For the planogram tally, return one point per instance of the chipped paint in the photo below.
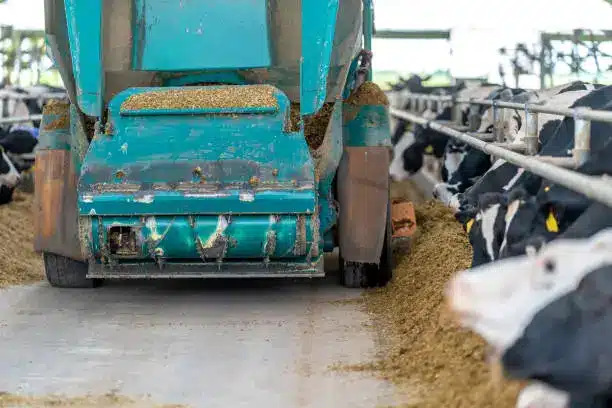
(92, 211)
(146, 199)
(299, 247)
(124, 148)
(88, 198)
(270, 244)
(246, 196)
(151, 224)
(222, 224)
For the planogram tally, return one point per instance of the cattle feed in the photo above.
(426, 347)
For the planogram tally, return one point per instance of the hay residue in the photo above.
(427, 350)
(315, 125)
(368, 93)
(19, 264)
(110, 400)
(231, 96)
(56, 106)
(62, 122)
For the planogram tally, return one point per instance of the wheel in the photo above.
(64, 272)
(363, 275)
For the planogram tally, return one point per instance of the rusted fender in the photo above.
(55, 199)
(363, 193)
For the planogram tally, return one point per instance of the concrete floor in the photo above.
(203, 343)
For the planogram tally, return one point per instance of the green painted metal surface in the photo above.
(366, 125)
(84, 20)
(199, 35)
(318, 25)
(198, 162)
(287, 237)
(54, 132)
(328, 159)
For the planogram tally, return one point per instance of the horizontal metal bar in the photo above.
(485, 137)
(413, 34)
(515, 147)
(583, 36)
(19, 96)
(567, 162)
(20, 119)
(206, 270)
(581, 113)
(597, 188)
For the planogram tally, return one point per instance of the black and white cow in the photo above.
(532, 212)
(10, 177)
(408, 157)
(547, 316)
(463, 165)
(531, 221)
(503, 176)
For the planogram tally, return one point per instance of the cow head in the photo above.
(499, 300)
(513, 120)
(487, 230)
(407, 158)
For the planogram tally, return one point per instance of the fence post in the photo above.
(455, 111)
(474, 117)
(582, 136)
(498, 122)
(531, 139)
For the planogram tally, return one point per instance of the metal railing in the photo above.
(7, 94)
(523, 154)
(19, 119)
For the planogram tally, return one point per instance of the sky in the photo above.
(479, 29)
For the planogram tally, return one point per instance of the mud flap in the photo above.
(55, 194)
(55, 201)
(363, 194)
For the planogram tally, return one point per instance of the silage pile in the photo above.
(19, 263)
(426, 350)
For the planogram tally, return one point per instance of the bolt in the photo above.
(197, 171)
(253, 181)
(275, 172)
(120, 174)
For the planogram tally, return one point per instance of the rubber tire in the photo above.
(364, 275)
(63, 272)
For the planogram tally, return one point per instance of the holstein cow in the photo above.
(408, 157)
(547, 316)
(556, 208)
(503, 176)
(530, 221)
(17, 146)
(398, 98)
(9, 178)
(515, 122)
(12, 107)
(463, 165)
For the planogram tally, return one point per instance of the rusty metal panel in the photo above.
(55, 215)
(363, 193)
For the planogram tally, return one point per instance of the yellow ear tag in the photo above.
(468, 226)
(429, 149)
(551, 223)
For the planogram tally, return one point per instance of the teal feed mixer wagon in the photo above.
(212, 138)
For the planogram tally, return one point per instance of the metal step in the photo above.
(207, 270)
